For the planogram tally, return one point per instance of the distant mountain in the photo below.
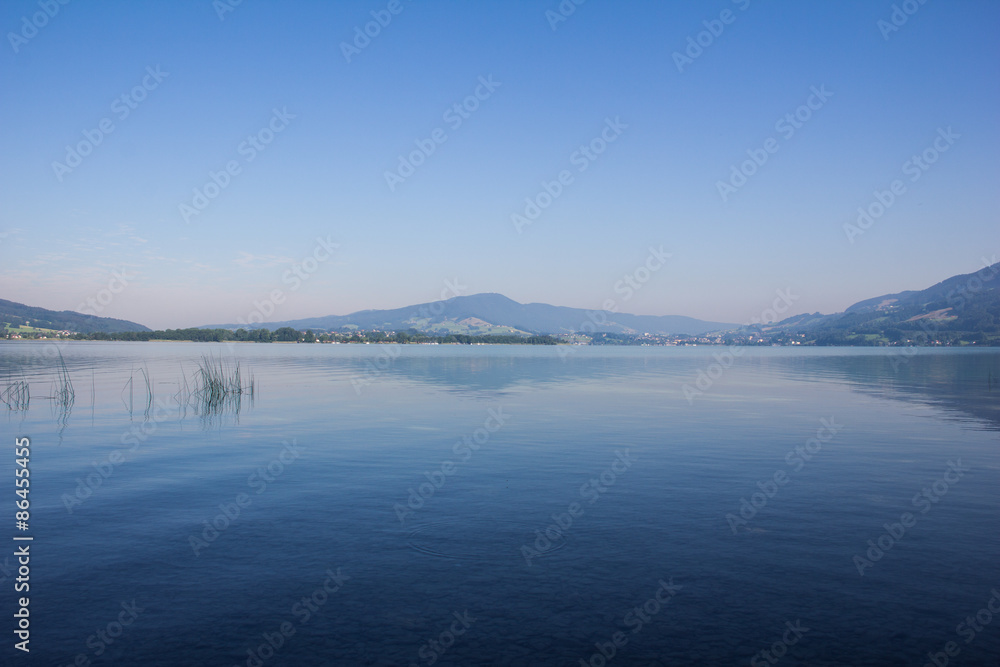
(956, 292)
(18, 314)
(962, 308)
(495, 313)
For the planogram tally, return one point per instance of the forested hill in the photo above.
(963, 308)
(17, 314)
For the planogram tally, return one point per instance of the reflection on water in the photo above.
(405, 481)
(955, 379)
(960, 381)
(216, 392)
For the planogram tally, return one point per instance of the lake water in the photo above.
(466, 505)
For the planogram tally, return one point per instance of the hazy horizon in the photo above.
(448, 290)
(295, 127)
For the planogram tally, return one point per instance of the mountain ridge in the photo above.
(964, 307)
(501, 312)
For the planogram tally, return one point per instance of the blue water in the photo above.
(394, 503)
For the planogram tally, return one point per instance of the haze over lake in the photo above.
(397, 505)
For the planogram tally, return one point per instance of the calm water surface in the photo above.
(515, 505)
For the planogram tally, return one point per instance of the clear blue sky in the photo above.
(656, 184)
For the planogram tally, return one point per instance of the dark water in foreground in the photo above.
(509, 505)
